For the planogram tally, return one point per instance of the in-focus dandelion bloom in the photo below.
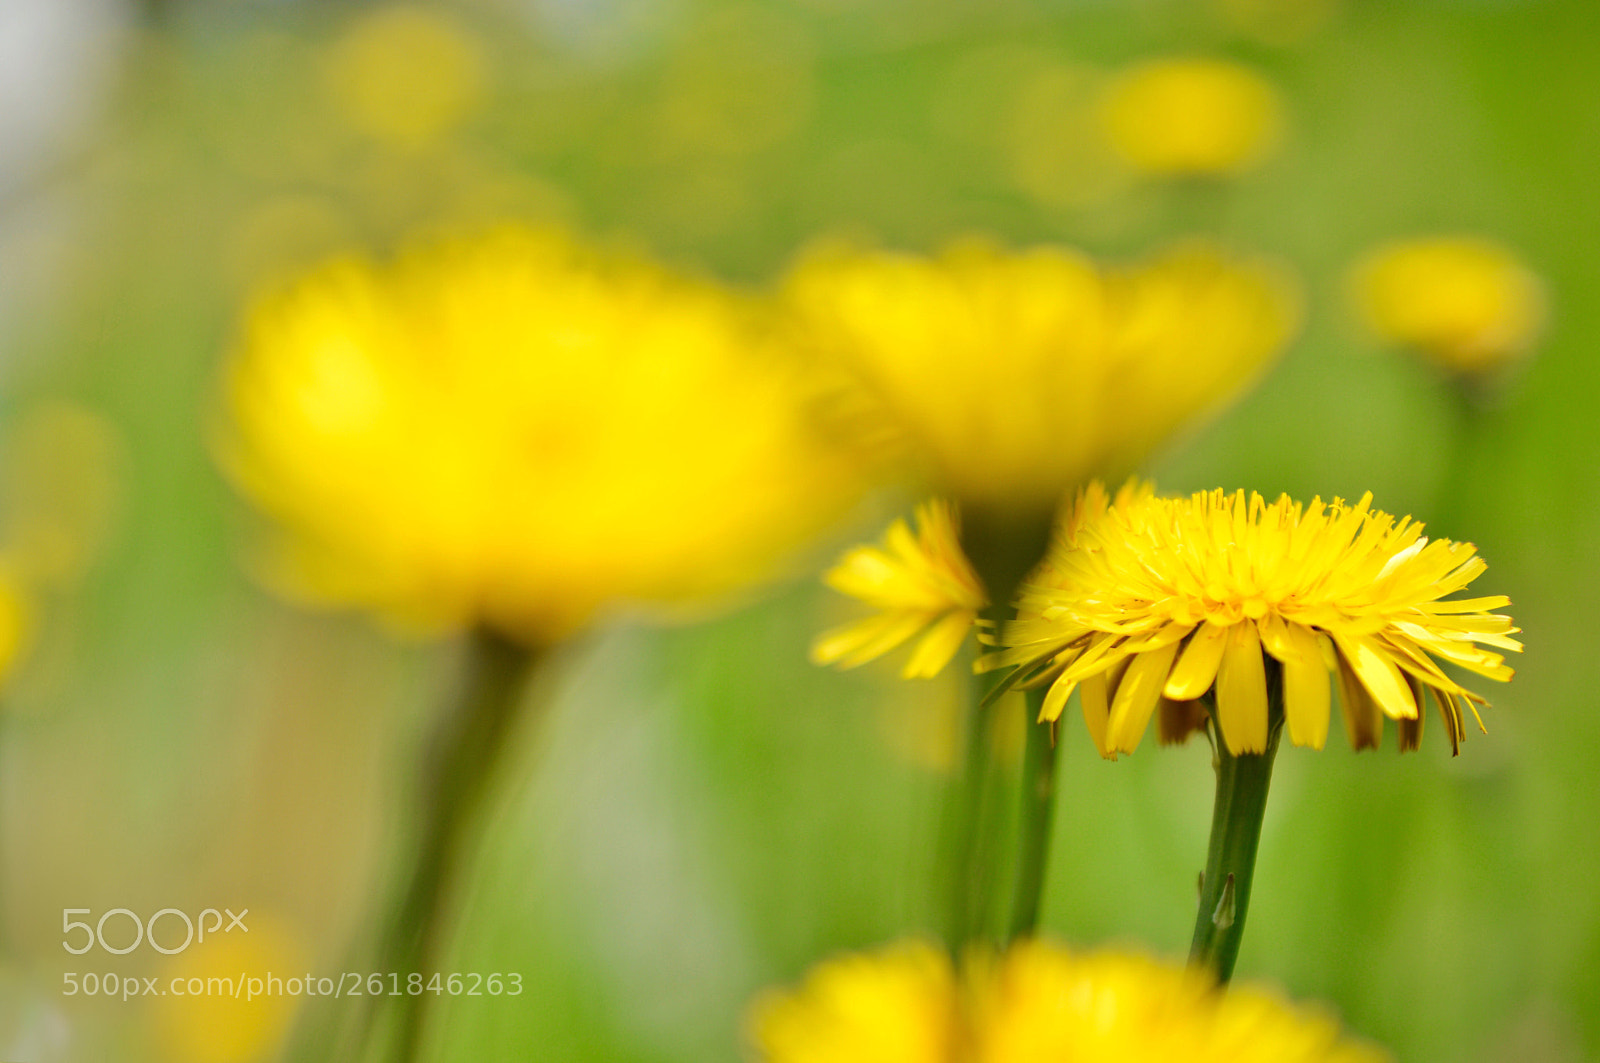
(1037, 1002)
(920, 584)
(1009, 377)
(1466, 304)
(517, 431)
(1147, 604)
(1191, 117)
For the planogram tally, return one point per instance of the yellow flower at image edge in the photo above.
(1037, 1002)
(517, 431)
(1008, 377)
(920, 584)
(1465, 303)
(14, 621)
(1146, 604)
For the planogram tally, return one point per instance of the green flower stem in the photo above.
(1003, 546)
(458, 773)
(1038, 807)
(968, 863)
(1241, 803)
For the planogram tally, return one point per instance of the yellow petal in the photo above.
(1450, 713)
(1137, 695)
(1096, 711)
(1055, 699)
(1380, 674)
(1242, 692)
(857, 643)
(1410, 729)
(1196, 670)
(1363, 719)
(940, 644)
(1275, 636)
(1467, 605)
(1306, 698)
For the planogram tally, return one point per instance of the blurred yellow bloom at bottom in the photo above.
(230, 998)
(1038, 1002)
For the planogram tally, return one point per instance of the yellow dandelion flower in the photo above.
(1464, 303)
(1191, 116)
(1037, 1002)
(1011, 376)
(920, 584)
(1147, 604)
(516, 431)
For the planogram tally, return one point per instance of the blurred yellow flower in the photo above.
(1037, 1002)
(1147, 603)
(231, 997)
(1011, 376)
(406, 74)
(920, 584)
(518, 431)
(1191, 117)
(13, 620)
(1465, 303)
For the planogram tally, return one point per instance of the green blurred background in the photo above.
(703, 813)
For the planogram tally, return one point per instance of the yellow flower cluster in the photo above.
(1146, 604)
(1011, 376)
(1037, 1002)
(518, 431)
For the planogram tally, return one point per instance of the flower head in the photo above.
(1011, 376)
(1185, 117)
(906, 1004)
(518, 431)
(1149, 603)
(1464, 303)
(920, 584)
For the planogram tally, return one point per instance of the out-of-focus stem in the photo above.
(1003, 546)
(1038, 806)
(458, 771)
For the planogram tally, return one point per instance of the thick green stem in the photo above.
(1241, 803)
(967, 856)
(1003, 546)
(458, 773)
(1038, 807)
